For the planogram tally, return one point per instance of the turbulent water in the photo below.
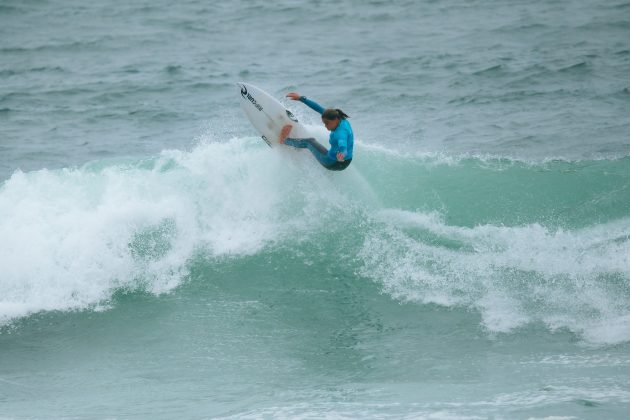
(158, 260)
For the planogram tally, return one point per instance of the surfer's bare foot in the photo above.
(284, 133)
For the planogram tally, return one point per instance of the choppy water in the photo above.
(158, 260)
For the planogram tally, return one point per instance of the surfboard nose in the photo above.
(242, 88)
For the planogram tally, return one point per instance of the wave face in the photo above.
(519, 243)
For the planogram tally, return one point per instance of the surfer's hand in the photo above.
(340, 157)
(284, 133)
(294, 95)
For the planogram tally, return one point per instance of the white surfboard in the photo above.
(268, 115)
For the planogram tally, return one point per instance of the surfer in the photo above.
(341, 138)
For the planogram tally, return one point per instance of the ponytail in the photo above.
(334, 114)
(342, 115)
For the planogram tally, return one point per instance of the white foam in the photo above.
(70, 238)
(66, 235)
(512, 275)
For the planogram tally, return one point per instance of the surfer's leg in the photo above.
(299, 143)
(315, 147)
(320, 153)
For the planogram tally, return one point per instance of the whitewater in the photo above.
(74, 237)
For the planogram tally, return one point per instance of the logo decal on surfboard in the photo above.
(291, 116)
(249, 97)
(266, 140)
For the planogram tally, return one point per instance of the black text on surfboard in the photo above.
(250, 98)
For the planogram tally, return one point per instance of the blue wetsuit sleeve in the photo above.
(312, 104)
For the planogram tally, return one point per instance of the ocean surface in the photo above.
(159, 261)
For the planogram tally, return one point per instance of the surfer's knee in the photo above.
(338, 166)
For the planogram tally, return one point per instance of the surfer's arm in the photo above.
(342, 145)
(312, 104)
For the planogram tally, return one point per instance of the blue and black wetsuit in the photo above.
(341, 140)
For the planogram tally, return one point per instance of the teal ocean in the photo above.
(158, 260)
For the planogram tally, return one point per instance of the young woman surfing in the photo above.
(341, 138)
